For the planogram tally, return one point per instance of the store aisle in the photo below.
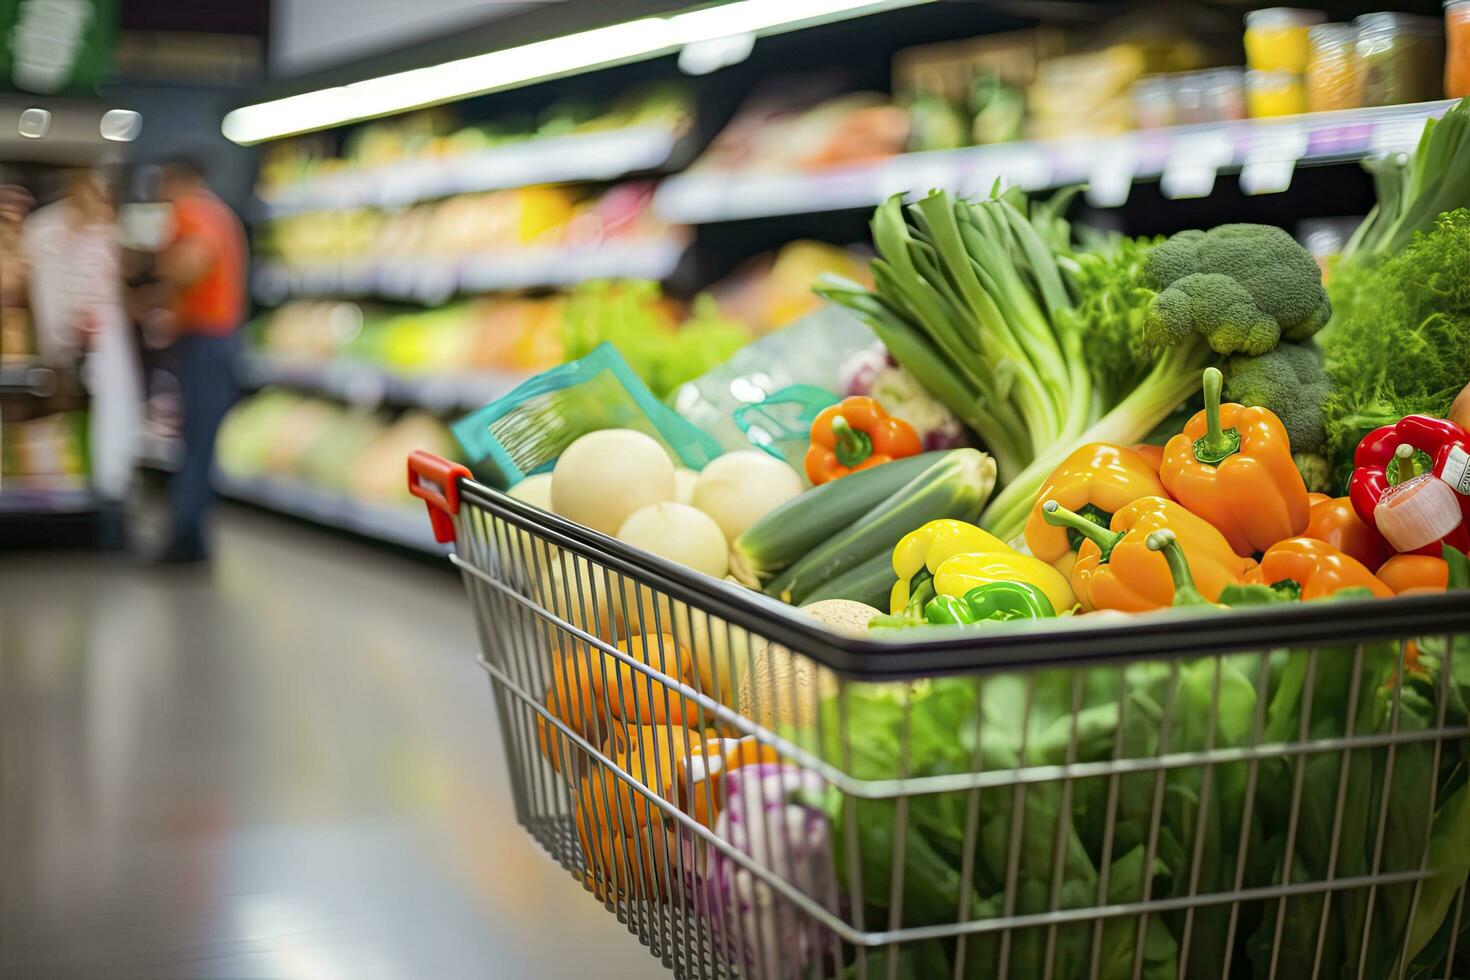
(283, 766)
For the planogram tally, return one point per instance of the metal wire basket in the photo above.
(1277, 792)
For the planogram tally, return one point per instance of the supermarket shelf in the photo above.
(561, 159)
(432, 281)
(406, 527)
(367, 384)
(27, 379)
(15, 500)
(1185, 158)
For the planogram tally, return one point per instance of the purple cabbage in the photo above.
(772, 814)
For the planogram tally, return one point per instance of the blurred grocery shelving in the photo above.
(431, 281)
(27, 379)
(395, 525)
(21, 500)
(321, 460)
(359, 383)
(1186, 158)
(574, 158)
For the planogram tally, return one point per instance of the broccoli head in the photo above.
(1216, 306)
(1242, 287)
(1316, 472)
(1290, 381)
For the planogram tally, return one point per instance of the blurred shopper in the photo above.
(76, 305)
(15, 317)
(204, 268)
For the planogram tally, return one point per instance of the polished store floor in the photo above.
(284, 765)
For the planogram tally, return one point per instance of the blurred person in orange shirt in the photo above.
(203, 267)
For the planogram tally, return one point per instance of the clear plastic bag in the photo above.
(525, 431)
(808, 352)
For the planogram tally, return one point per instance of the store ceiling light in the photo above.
(601, 47)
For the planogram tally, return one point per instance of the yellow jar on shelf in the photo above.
(1276, 38)
(1334, 74)
(1274, 93)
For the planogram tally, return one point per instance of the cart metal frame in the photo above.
(792, 882)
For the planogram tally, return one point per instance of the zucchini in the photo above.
(787, 533)
(870, 583)
(957, 486)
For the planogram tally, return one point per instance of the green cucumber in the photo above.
(957, 486)
(871, 582)
(787, 533)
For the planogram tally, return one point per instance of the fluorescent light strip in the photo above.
(757, 16)
(599, 48)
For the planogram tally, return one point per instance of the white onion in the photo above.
(740, 488)
(684, 480)
(534, 490)
(605, 476)
(679, 533)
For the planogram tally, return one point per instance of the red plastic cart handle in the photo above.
(435, 481)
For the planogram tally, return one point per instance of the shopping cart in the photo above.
(1276, 792)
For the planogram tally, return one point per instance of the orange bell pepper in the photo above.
(1152, 455)
(1422, 573)
(856, 434)
(1317, 567)
(1232, 466)
(1117, 570)
(1095, 481)
(1333, 519)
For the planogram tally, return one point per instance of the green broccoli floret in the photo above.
(1215, 305)
(1289, 380)
(1316, 473)
(1242, 287)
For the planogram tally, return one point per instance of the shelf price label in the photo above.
(1110, 178)
(1014, 167)
(692, 198)
(1272, 158)
(1194, 160)
(1396, 135)
(914, 175)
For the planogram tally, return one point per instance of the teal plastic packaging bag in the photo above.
(781, 423)
(525, 431)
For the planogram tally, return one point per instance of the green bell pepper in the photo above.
(990, 603)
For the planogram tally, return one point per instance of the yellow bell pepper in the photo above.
(1097, 481)
(960, 556)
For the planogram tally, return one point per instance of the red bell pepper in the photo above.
(1378, 466)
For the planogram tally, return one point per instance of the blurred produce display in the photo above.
(510, 333)
(1144, 71)
(970, 92)
(48, 452)
(772, 290)
(1089, 90)
(807, 124)
(662, 341)
(358, 455)
(668, 342)
(436, 136)
(475, 224)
